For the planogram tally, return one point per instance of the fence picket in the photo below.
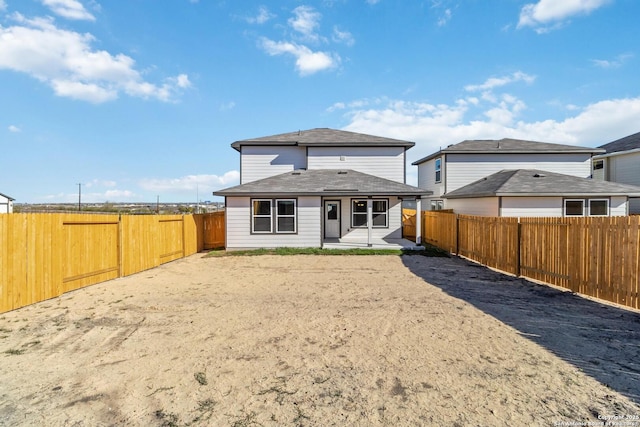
(44, 255)
(598, 257)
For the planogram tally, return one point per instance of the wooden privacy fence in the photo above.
(598, 257)
(45, 255)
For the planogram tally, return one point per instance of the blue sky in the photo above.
(138, 99)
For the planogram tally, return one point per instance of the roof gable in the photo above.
(323, 137)
(508, 145)
(533, 182)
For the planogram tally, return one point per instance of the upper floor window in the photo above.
(438, 169)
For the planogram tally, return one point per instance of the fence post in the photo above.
(457, 231)
(184, 234)
(518, 247)
(120, 245)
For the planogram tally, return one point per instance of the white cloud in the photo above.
(100, 183)
(263, 16)
(190, 183)
(14, 129)
(3, 5)
(306, 21)
(554, 12)
(435, 126)
(495, 82)
(70, 9)
(613, 63)
(66, 61)
(445, 18)
(342, 36)
(307, 61)
(228, 106)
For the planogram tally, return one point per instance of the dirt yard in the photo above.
(319, 341)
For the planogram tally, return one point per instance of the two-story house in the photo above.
(620, 163)
(511, 177)
(316, 187)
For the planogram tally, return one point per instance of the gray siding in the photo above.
(531, 206)
(238, 213)
(483, 206)
(625, 168)
(463, 169)
(427, 178)
(385, 162)
(262, 162)
(395, 222)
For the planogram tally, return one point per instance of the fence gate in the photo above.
(214, 230)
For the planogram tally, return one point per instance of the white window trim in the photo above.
(253, 216)
(599, 200)
(437, 170)
(365, 225)
(584, 204)
(294, 216)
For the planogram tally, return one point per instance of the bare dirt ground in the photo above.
(319, 341)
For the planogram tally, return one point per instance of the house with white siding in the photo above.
(6, 204)
(620, 163)
(318, 187)
(511, 177)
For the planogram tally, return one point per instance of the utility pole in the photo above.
(158, 204)
(79, 196)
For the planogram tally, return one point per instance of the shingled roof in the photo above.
(533, 182)
(323, 182)
(323, 137)
(508, 145)
(631, 142)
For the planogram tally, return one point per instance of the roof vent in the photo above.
(539, 175)
(295, 173)
(342, 172)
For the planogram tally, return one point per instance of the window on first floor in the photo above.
(598, 164)
(268, 215)
(379, 213)
(599, 207)
(437, 205)
(586, 207)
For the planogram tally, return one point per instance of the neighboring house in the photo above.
(469, 161)
(537, 193)
(308, 188)
(6, 204)
(620, 163)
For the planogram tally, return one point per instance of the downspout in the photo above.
(369, 220)
(418, 220)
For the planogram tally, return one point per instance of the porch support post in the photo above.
(369, 221)
(418, 220)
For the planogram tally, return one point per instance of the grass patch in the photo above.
(430, 251)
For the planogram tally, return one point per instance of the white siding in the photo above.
(6, 205)
(394, 231)
(625, 168)
(531, 207)
(427, 178)
(618, 206)
(463, 169)
(238, 217)
(483, 206)
(263, 162)
(385, 162)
